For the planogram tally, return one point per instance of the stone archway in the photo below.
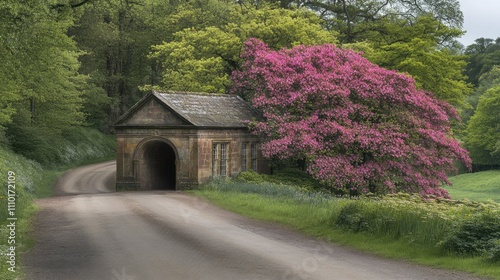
(155, 166)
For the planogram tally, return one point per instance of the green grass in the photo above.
(399, 227)
(479, 186)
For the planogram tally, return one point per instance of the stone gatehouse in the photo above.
(178, 140)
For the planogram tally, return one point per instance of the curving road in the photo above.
(89, 232)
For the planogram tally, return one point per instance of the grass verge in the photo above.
(479, 186)
(319, 217)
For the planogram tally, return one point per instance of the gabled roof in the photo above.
(194, 109)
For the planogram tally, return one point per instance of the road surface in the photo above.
(89, 232)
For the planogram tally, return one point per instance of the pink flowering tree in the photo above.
(358, 126)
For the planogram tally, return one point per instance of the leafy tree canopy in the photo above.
(115, 37)
(483, 55)
(201, 58)
(41, 92)
(415, 49)
(483, 131)
(357, 20)
(486, 81)
(39, 69)
(358, 126)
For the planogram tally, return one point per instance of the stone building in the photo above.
(178, 140)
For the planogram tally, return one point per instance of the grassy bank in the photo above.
(24, 174)
(479, 186)
(33, 179)
(403, 227)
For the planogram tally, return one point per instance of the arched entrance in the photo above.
(157, 166)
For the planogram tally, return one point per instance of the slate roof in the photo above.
(203, 109)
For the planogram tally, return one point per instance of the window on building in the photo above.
(253, 156)
(223, 160)
(244, 157)
(215, 160)
(219, 159)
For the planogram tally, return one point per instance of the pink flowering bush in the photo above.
(358, 126)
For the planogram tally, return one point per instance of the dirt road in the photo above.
(171, 235)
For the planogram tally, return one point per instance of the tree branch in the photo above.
(73, 6)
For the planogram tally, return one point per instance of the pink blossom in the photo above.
(359, 126)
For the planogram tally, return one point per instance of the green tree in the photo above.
(414, 48)
(486, 81)
(116, 37)
(483, 131)
(482, 56)
(356, 20)
(41, 86)
(40, 66)
(201, 58)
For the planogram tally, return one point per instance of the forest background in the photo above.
(82, 63)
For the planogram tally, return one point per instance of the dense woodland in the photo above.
(70, 63)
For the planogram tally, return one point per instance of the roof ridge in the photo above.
(195, 93)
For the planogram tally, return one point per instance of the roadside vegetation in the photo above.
(34, 179)
(453, 234)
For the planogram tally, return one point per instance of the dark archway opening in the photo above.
(159, 160)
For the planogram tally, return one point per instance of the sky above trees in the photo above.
(480, 19)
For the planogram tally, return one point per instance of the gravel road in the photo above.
(89, 232)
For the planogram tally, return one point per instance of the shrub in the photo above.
(475, 236)
(73, 146)
(353, 217)
(285, 176)
(494, 253)
(354, 123)
(397, 216)
(251, 176)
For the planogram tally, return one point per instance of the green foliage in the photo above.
(36, 143)
(399, 217)
(71, 146)
(115, 37)
(194, 45)
(494, 252)
(483, 55)
(461, 227)
(202, 56)
(415, 50)
(286, 176)
(477, 236)
(486, 81)
(483, 131)
(357, 20)
(28, 172)
(252, 177)
(39, 70)
(41, 93)
(350, 217)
